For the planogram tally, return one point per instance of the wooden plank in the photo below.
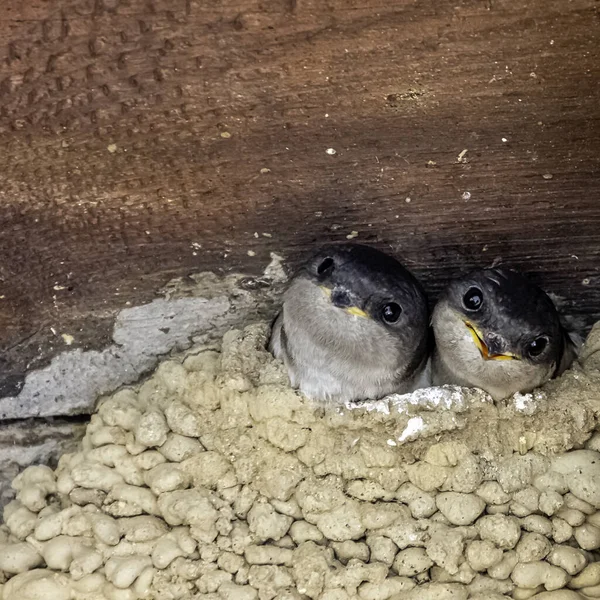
(147, 139)
(34, 441)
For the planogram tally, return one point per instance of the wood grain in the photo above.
(146, 139)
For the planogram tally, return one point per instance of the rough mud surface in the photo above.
(213, 479)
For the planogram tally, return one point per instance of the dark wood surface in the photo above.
(147, 139)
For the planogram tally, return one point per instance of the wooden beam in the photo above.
(147, 139)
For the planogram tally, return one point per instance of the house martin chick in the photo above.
(353, 326)
(497, 331)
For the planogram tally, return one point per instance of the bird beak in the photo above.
(351, 310)
(357, 312)
(326, 291)
(478, 338)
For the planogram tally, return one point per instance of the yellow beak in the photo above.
(325, 290)
(481, 345)
(357, 312)
(351, 310)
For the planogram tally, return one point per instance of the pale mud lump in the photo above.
(214, 480)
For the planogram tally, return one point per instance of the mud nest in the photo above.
(215, 480)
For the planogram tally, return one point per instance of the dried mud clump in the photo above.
(214, 480)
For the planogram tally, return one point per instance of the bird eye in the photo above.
(326, 266)
(473, 299)
(391, 312)
(536, 347)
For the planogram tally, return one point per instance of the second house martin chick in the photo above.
(497, 331)
(353, 326)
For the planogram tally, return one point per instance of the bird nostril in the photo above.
(340, 298)
(495, 343)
